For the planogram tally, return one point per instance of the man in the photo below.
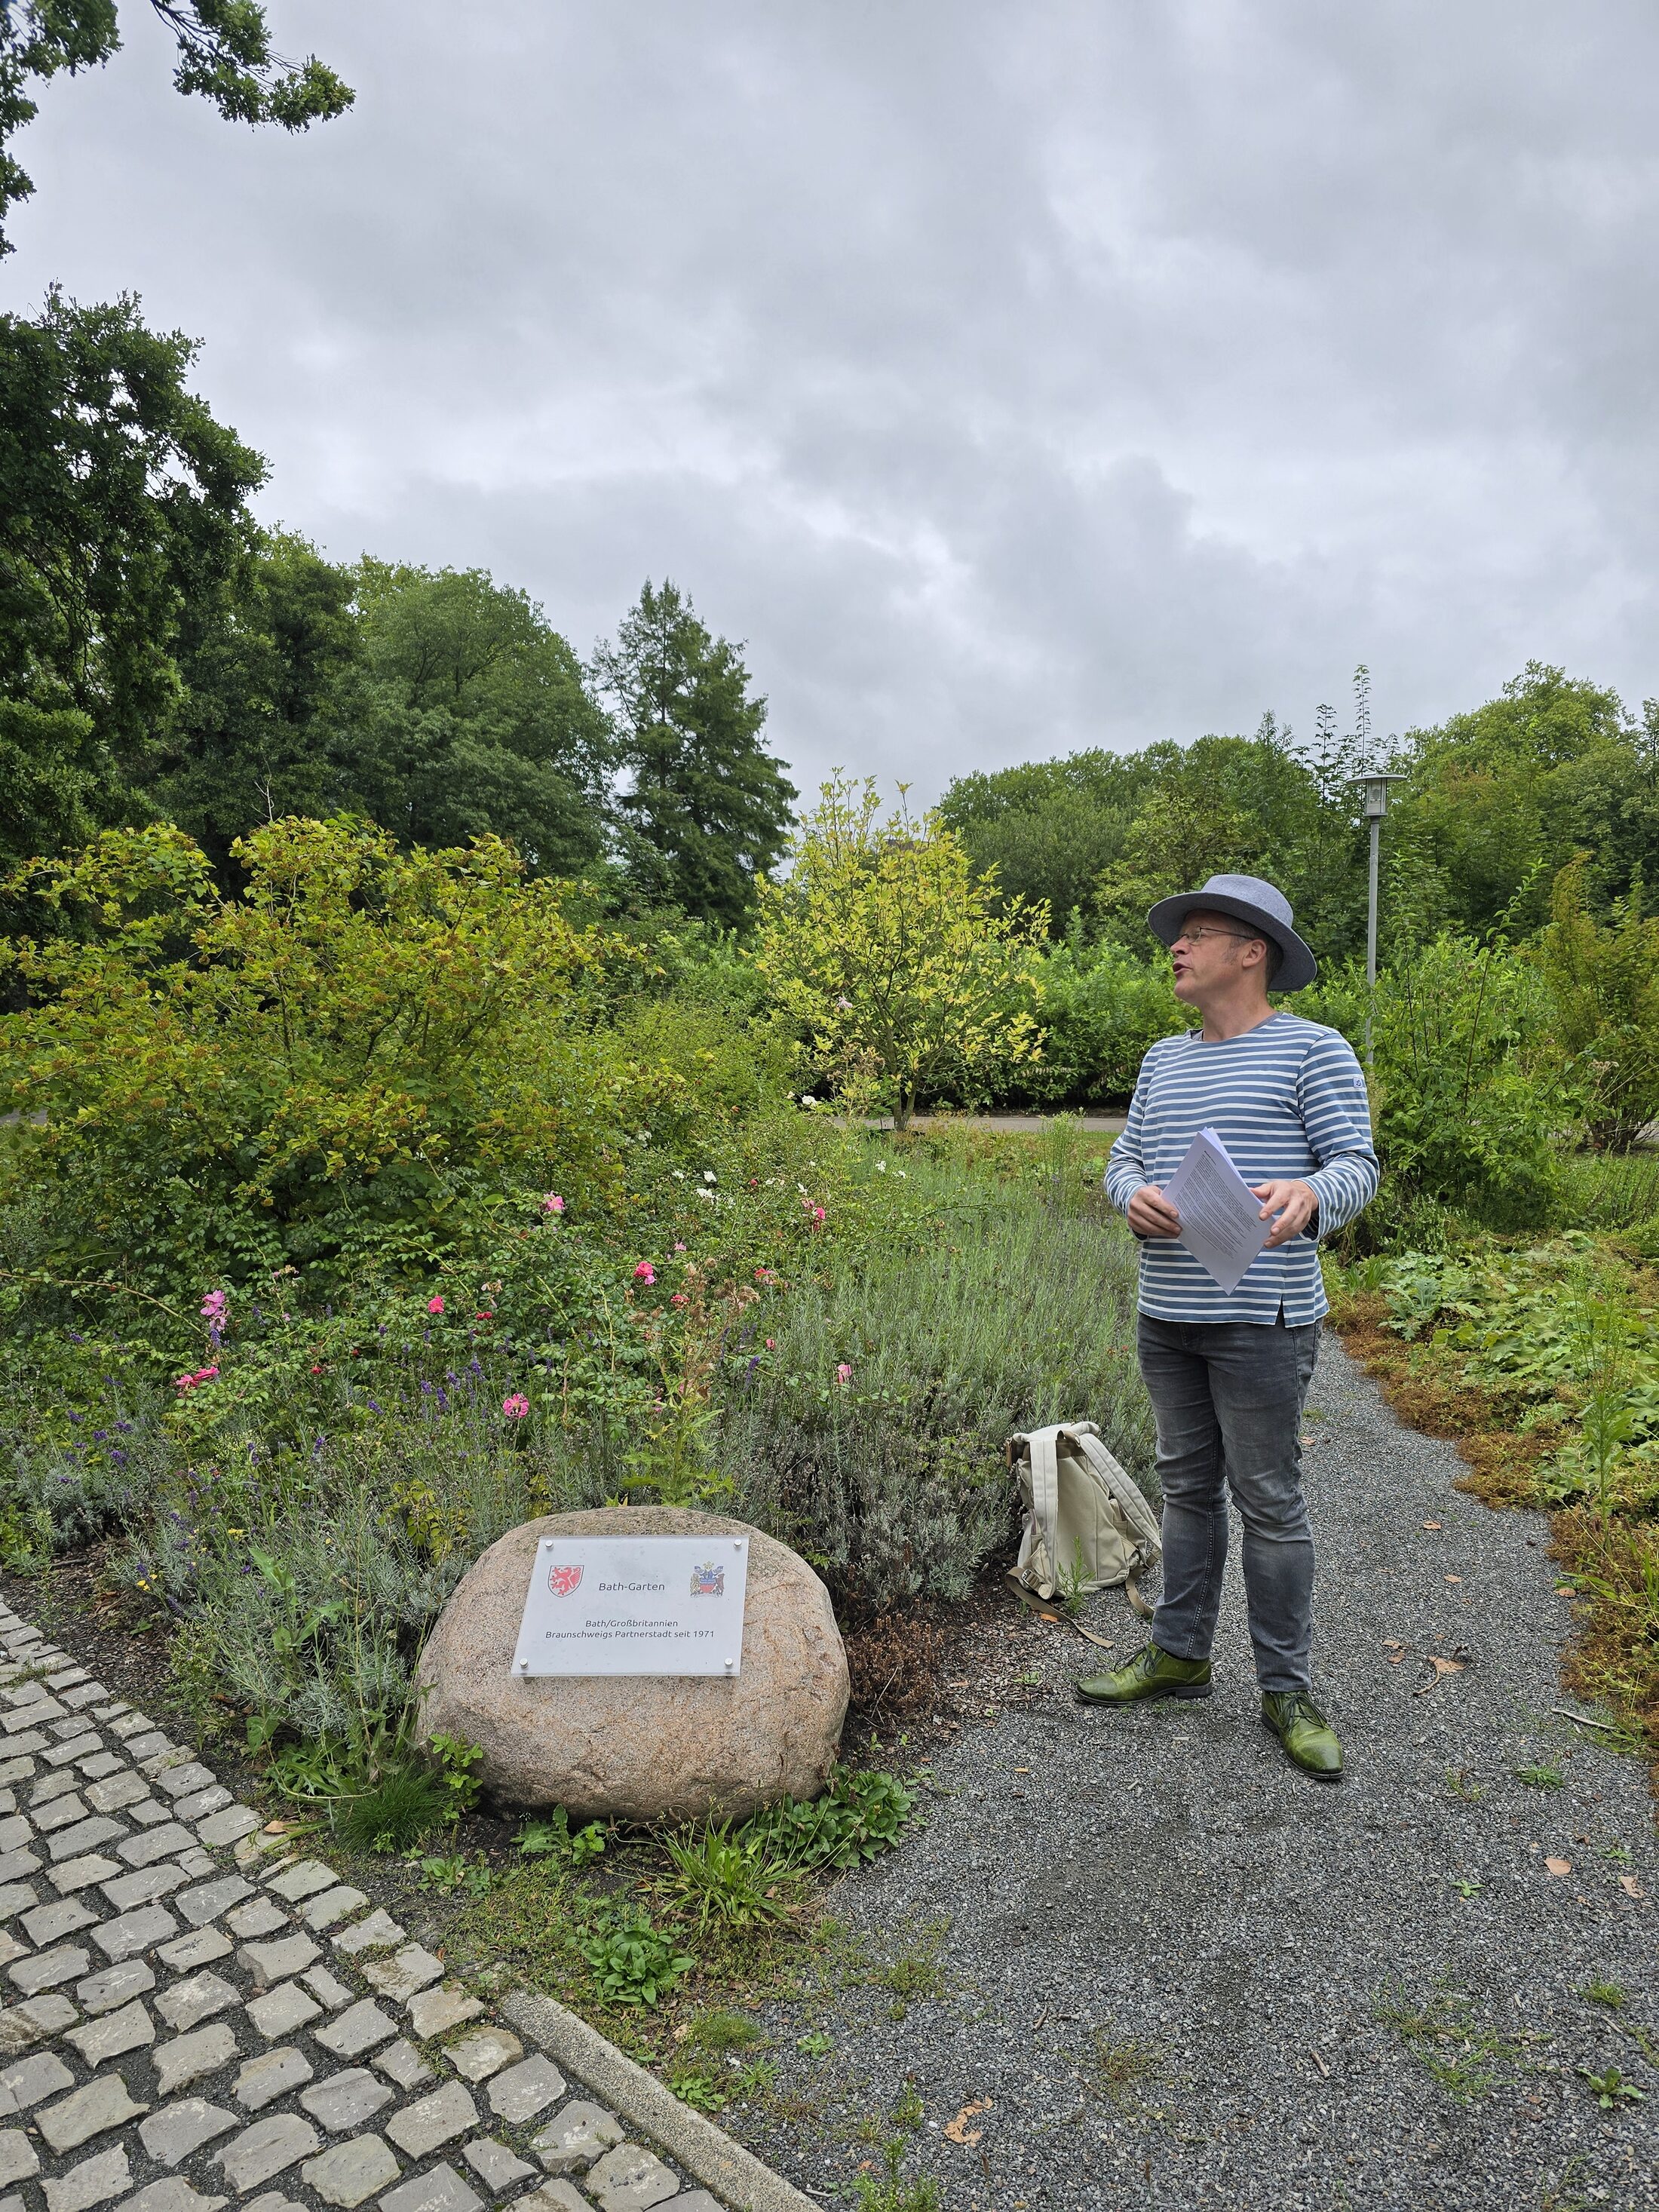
(1228, 1372)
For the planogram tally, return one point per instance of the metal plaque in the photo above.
(634, 1605)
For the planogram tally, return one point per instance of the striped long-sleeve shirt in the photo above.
(1286, 1099)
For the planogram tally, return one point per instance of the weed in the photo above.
(1467, 1887)
(1465, 2059)
(723, 2031)
(1539, 1777)
(755, 2079)
(915, 1973)
(1074, 1580)
(730, 1881)
(701, 2091)
(818, 2044)
(1611, 2090)
(910, 2112)
(1461, 1783)
(447, 1875)
(859, 1816)
(1120, 2066)
(1603, 1993)
(890, 2192)
(632, 1961)
(394, 1816)
(456, 1760)
(552, 1838)
(1551, 2200)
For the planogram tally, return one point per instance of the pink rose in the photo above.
(435, 1305)
(645, 1272)
(679, 1299)
(844, 1374)
(515, 1407)
(213, 1306)
(552, 1203)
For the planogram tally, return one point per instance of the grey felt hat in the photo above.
(1246, 898)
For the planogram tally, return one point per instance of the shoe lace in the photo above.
(1298, 1705)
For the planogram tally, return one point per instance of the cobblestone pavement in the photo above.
(202, 2016)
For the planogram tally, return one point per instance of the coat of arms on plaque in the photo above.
(563, 1580)
(708, 1582)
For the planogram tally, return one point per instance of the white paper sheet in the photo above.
(1220, 1223)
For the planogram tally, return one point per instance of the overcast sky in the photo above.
(1011, 377)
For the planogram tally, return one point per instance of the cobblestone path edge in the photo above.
(706, 2152)
(156, 1939)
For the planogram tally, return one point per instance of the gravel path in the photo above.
(1169, 1955)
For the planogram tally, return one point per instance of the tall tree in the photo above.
(441, 705)
(1503, 796)
(123, 520)
(224, 54)
(1049, 829)
(470, 715)
(253, 738)
(706, 807)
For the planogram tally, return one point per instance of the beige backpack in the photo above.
(1087, 1525)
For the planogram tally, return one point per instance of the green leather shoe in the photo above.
(1150, 1673)
(1309, 1739)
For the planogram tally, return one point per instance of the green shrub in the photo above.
(1464, 1107)
(1603, 983)
(331, 1074)
(1101, 1009)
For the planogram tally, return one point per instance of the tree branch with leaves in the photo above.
(225, 55)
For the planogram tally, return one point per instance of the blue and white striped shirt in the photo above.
(1286, 1099)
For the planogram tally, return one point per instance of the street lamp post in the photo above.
(1373, 788)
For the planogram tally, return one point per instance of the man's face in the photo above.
(1206, 953)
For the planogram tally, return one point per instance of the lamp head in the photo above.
(1373, 788)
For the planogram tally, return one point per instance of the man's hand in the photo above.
(1150, 1215)
(1294, 1203)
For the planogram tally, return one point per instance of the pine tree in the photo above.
(706, 807)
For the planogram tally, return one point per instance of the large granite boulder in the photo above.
(642, 1747)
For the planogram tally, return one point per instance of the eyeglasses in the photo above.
(1198, 936)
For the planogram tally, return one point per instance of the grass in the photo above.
(1464, 2056)
(1540, 1778)
(915, 1972)
(1121, 2067)
(722, 2031)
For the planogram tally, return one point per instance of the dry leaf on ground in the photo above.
(1630, 1885)
(958, 2132)
(1558, 1866)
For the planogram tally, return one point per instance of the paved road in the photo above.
(1156, 1890)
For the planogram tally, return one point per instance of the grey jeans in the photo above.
(1228, 1397)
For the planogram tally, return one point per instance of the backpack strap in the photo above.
(1041, 1446)
(1085, 1440)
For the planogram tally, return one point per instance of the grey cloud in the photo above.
(1010, 379)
